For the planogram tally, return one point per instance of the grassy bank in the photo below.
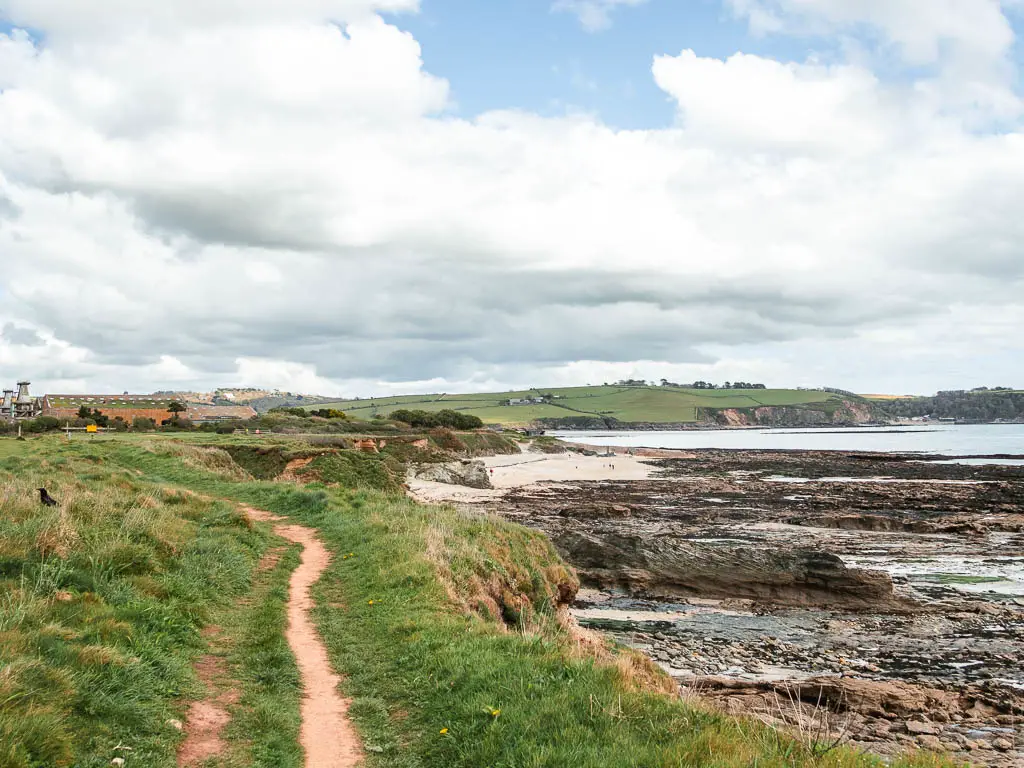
(444, 625)
(102, 600)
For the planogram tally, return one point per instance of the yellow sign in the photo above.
(91, 428)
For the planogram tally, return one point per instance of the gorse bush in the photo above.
(329, 413)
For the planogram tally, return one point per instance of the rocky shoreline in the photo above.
(874, 599)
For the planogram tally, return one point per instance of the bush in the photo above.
(142, 424)
(447, 418)
(177, 425)
(290, 412)
(329, 413)
(119, 425)
(43, 424)
(94, 415)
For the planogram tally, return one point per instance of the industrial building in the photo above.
(18, 405)
(126, 407)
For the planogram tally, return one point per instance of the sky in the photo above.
(356, 197)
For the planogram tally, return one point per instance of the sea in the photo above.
(928, 440)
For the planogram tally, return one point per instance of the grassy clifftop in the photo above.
(444, 625)
(633, 404)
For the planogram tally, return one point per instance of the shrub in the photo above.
(456, 420)
(177, 424)
(142, 424)
(41, 424)
(445, 418)
(329, 413)
(290, 412)
(94, 415)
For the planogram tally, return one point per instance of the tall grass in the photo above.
(101, 601)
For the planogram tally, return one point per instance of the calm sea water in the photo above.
(946, 440)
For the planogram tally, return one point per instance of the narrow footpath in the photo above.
(326, 734)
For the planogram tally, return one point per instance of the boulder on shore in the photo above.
(468, 472)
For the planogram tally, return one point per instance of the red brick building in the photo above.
(125, 407)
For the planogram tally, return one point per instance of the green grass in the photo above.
(264, 730)
(520, 414)
(458, 661)
(665, 405)
(101, 604)
(356, 470)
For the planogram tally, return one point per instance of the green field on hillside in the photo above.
(667, 405)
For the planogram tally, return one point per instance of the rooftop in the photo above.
(108, 401)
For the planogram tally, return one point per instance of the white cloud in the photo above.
(285, 376)
(111, 18)
(594, 15)
(281, 200)
(977, 29)
(967, 41)
(750, 101)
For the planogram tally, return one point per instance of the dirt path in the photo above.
(207, 718)
(326, 735)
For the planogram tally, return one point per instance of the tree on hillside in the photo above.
(176, 407)
(966, 406)
(446, 418)
(94, 415)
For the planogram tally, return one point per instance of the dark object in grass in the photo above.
(46, 498)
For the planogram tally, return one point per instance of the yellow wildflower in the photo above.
(444, 731)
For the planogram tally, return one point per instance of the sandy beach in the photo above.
(525, 469)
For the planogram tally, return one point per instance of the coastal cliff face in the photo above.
(845, 413)
(850, 412)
